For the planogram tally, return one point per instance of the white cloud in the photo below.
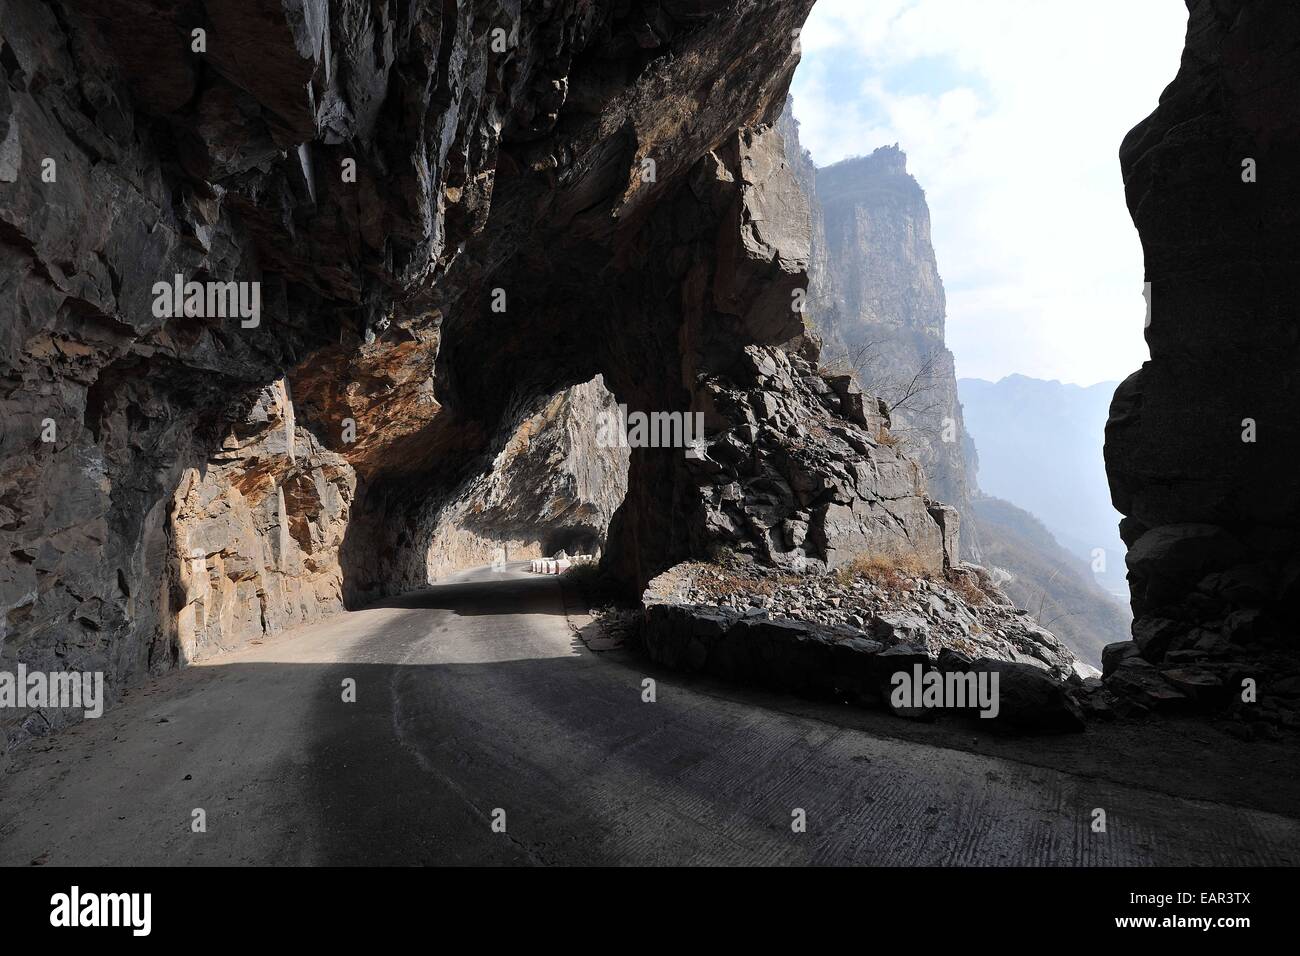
(1011, 113)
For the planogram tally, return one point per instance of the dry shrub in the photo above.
(887, 438)
(724, 582)
(890, 572)
(967, 586)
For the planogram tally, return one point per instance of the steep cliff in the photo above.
(877, 301)
(1200, 446)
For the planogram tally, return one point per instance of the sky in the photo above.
(1011, 113)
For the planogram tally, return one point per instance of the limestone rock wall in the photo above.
(255, 534)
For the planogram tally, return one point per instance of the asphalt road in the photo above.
(476, 697)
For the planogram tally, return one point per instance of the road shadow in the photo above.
(510, 592)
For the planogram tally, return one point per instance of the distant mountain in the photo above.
(1040, 447)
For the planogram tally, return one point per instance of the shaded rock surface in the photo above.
(386, 173)
(1211, 509)
(806, 472)
(792, 466)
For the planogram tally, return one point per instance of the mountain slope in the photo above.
(1049, 581)
(1040, 447)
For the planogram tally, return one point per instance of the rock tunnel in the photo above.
(452, 213)
(455, 212)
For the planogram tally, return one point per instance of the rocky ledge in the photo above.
(846, 634)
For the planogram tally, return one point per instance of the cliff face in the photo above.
(553, 486)
(877, 301)
(1200, 446)
(434, 217)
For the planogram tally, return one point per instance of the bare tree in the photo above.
(912, 393)
(916, 394)
(914, 398)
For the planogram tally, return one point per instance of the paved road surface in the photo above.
(476, 695)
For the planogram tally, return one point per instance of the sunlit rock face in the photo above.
(1201, 443)
(256, 533)
(553, 486)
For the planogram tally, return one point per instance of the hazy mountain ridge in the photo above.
(1040, 446)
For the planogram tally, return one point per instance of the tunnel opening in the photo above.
(547, 485)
